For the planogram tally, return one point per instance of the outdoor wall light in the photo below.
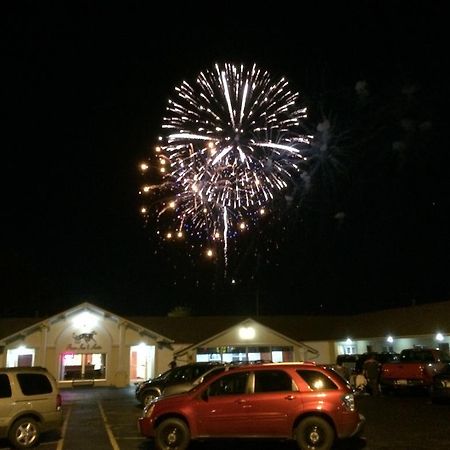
(85, 321)
(390, 339)
(349, 341)
(439, 337)
(247, 333)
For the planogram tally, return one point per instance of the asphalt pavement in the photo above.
(106, 419)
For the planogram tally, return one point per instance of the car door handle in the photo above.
(289, 397)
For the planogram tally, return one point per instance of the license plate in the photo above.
(402, 382)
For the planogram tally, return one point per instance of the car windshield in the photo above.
(205, 377)
(163, 375)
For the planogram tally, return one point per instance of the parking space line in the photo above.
(63, 429)
(131, 438)
(110, 434)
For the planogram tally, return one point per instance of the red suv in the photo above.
(306, 402)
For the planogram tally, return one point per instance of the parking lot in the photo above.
(106, 418)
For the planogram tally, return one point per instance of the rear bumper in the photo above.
(52, 421)
(404, 383)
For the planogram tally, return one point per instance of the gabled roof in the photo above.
(407, 321)
(422, 319)
(11, 326)
(17, 330)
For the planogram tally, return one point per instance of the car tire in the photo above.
(172, 434)
(314, 433)
(24, 433)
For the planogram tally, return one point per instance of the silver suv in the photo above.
(30, 403)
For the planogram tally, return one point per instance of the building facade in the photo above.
(87, 344)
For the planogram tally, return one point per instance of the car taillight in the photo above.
(58, 402)
(349, 402)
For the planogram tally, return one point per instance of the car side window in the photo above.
(5, 387)
(198, 370)
(316, 380)
(232, 384)
(34, 383)
(180, 374)
(272, 381)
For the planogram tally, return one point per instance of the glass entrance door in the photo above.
(83, 366)
(142, 362)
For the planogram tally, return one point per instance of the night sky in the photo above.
(84, 89)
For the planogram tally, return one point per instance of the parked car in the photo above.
(440, 388)
(308, 403)
(415, 369)
(348, 361)
(148, 390)
(179, 388)
(30, 403)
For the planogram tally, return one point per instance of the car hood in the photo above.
(166, 401)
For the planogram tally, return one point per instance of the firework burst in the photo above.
(231, 144)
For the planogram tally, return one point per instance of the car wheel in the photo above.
(24, 433)
(172, 434)
(314, 433)
(148, 396)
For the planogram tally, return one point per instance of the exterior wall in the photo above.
(108, 335)
(299, 353)
(380, 344)
(326, 352)
(115, 336)
(105, 339)
(263, 336)
(30, 341)
(165, 356)
(409, 342)
(52, 361)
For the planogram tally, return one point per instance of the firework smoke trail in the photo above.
(231, 144)
(225, 237)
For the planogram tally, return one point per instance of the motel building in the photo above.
(89, 345)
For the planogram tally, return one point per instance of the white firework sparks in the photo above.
(231, 145)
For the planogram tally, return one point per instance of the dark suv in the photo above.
(150, 389)
(308, 403)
